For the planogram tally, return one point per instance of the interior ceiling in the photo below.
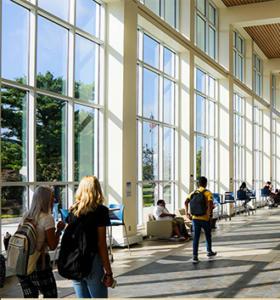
(267, 37)
(241, 2)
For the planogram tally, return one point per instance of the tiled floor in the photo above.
(248, 264)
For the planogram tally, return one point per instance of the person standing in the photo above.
(42, 279)
(89, 209)
(199, 207)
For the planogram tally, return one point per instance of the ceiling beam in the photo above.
(253, 14)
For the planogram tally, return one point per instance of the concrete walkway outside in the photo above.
(248, 264)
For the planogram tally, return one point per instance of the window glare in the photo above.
(15, 28)
(59, 8)
(88, 16)
(151, 51)
(52, 56)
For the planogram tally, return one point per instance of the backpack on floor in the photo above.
(22, 254)
(2, 270)
(75, 258)
(198, 204)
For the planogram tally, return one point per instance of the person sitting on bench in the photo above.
(179, 228)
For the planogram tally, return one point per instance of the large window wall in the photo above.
(206, 131)
(206, 27)
(239, 140)
(51, 98)
(157, 85)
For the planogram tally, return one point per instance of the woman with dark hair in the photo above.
(244, 194)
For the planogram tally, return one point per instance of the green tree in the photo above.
(198, 163)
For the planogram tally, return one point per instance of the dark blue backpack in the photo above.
(198, 204)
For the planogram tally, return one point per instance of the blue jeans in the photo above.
(92, 286)
(197, 225)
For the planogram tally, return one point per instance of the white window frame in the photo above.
(162, 11)
(257, 73)
(208, 24)
(207, 136)
(238, 71)
(32, 91)
(141, 65)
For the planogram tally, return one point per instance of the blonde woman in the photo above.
(89, 206)
(42, 279)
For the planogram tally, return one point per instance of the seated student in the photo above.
(244, 193)
(179, 228)
(274, 199)
(267, 189)
(277, 197)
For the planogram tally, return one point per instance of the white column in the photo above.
(120, 112)
(129, 153)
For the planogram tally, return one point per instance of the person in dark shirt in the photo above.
(89, 206)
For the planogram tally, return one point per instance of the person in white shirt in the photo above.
(42, 279)
(179, 228)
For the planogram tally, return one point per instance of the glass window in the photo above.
(13, 202)
(13, 135)
(273, 91)
(150, 152)
(212, 42)
(153, 5)
(168, 146)
(205, 114)
(151, 51)
(168, 101)
(212, 14)
(200, 113)
(150, 193)
(88, 16)
(200, 81)
(212, 118)
(52, 56)
(206, 27)
(239, 56)
(169, 62)
(168, 193)
(15, 39)
(85, 139)
(86, 69)
(200, 156)
(166, 9)
(150, 94)
(59, 8)
(258, 75)
(200, 4)
(200, 33)
(211, 87)
(50, 139)
(170, 12)
(156, 108)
